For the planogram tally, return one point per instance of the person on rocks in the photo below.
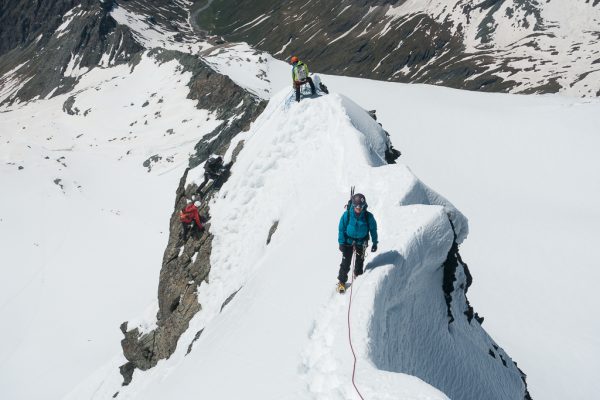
(300, 77)
(356, 224)
(215, 169)
(190, 219)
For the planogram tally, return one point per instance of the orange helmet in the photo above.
(294, 60)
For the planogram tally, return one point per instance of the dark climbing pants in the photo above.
(190, 228)
(347, 260)
(297, 86)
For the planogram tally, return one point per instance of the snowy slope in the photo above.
(84, 223)
(524, 169)
(284, 335)
(532, 213)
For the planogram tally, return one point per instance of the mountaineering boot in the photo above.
(323, 88)
(341, 288)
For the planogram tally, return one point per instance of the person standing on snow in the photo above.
(190, 219)
(300, 76)
(353, 237)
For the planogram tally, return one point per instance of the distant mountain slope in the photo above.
(493, 45)
(49, 46)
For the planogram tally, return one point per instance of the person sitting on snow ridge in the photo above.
(300, 76)
(190, 219)
(353, 237)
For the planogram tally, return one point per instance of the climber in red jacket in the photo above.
(190, 218)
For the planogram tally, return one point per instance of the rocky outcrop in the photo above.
(454, 261)
(186, 264)
(55, 46)
(391, 154)
(46, 46)
(454, 282)
(21, 22)
(213, 91)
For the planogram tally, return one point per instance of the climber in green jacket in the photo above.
(300, 76)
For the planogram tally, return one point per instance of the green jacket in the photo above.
(295, 68)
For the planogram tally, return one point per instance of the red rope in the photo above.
(349, 332)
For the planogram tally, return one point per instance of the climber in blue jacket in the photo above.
(356, 225)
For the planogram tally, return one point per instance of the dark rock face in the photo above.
(50, 44)
(219, 94)
(218, 140)
(51, 59)
(391, 154)
(23, 21)
(212, 91)
(186, 265)
(272, 231)
(450, 282)
(454, 261)
(409, 332)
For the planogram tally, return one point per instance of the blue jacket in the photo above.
(356, 229)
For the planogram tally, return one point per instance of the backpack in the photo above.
(301, 72)
(213, 162)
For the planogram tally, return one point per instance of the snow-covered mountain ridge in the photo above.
(510, 45)
(106, 180)
(298, 339)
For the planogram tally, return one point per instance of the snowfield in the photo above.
(284, 334)
(525, 171)
(83, 224)
(83, 233)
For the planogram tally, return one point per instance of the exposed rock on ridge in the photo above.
(186, 266)
(456, 285)
(407, 335)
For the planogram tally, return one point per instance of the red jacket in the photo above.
(189, 214)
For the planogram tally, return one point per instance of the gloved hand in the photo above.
(342, 248)
(374, 248)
